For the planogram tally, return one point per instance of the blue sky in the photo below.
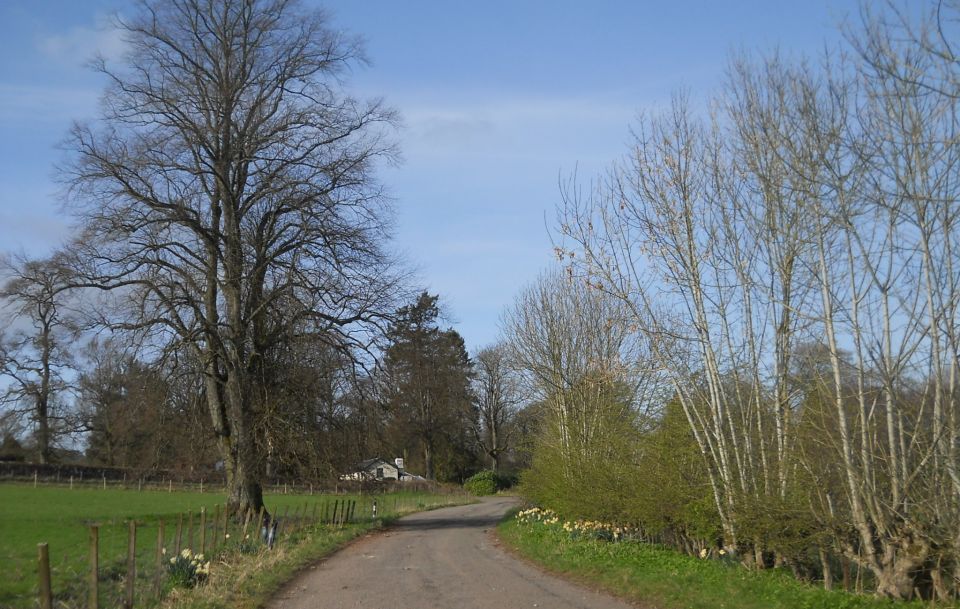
(499, 100)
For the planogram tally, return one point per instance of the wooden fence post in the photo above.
(203, 530)
(216, 528)
(226, 522)
(248, 515)
(190, 530)
(158, 576)
(179, 538)
(43, 570)
(131, 565)
(282, 522)
(93, 583)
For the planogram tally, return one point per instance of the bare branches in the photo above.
(227, 194)
(35, 344)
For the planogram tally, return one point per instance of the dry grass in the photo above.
(247, 581)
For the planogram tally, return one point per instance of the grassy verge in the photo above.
(60, 516)
(666, 579)
(248, 581)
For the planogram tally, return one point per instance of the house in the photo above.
(377, 469)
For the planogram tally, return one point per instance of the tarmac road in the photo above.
(443, 559)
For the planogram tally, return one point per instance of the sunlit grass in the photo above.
(667, 579)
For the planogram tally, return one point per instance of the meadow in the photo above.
(656, 576)
(61, 517)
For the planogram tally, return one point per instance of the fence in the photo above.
(84, 476)
(129, 564)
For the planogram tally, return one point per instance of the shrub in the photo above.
(483, 483)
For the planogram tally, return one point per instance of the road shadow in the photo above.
(437, 520)
(464, 522)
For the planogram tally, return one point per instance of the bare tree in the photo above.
(34, 347)
(228, 174)
(583, 362)
(822, 206)
(496, 390)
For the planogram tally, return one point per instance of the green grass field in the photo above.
(60, 517)
(660, 577)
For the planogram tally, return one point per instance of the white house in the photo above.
(377, 469)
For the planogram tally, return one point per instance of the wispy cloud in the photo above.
(44, 104)
(510, 126)
(80, 44)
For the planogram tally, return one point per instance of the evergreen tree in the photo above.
(427, 388)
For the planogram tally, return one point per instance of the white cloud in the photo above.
(80, 44)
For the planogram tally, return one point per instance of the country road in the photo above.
(444, 559)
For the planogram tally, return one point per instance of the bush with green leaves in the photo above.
(482, 483)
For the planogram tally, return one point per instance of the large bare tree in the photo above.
(230, 178)
(34, 344)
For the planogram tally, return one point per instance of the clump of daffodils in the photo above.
(578, 529)
(188, 569)
(594, 529)
(535, 515)
(720, 554)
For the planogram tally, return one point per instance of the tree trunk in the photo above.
(244, 490)
(43, 431)
(428, 461)
(896, 571)
(827, 570)
(234, 439)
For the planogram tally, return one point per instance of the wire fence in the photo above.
(136, 562)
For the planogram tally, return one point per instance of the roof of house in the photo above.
(365, 465)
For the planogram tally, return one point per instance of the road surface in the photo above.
(443, 559)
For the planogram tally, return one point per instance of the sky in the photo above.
(500, 101)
